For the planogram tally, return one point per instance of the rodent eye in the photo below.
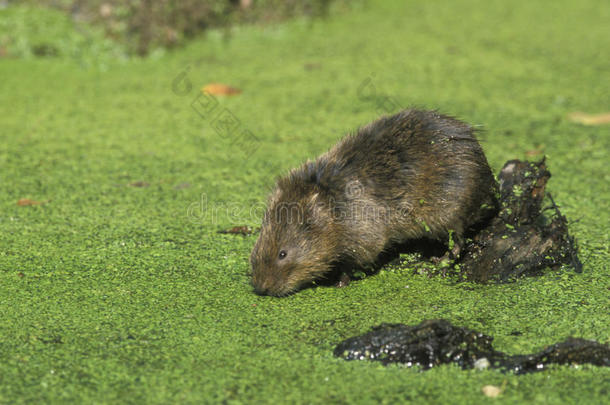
(282, 254)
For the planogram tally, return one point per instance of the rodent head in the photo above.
(297, 243)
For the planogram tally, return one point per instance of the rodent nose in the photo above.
(260, 288)
(261, 291)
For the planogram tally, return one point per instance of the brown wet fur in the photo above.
(413, 175)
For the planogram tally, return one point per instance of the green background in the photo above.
(120, 294)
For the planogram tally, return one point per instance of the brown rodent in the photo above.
(416, 174)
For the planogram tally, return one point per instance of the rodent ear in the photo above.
(274, 197)
(314, 204)
(320, 207)
(319, 201)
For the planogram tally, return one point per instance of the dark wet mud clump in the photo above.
(436, 342)
(528, 234)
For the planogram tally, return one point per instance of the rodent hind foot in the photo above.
(343, 281)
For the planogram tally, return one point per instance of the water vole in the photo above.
(403, 177)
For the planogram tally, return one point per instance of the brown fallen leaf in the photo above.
(182, 186)
(491, 391)
(311, 66)
(24, 202)
(533, 152)
(238, 230)
(220, 89)
(106, 10)
(589, 119)
(139, 184)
